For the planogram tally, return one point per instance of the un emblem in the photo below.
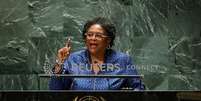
(89, 98)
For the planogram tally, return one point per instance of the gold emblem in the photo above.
(89, 98)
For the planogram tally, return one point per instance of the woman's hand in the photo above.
(62, 54)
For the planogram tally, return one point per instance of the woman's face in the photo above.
(96, 39)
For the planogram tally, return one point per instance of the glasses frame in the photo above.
(98, 36)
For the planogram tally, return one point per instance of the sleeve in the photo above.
(61, 83)
(134, 83)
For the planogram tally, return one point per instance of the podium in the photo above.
(111, 95)
(92, 95)
(86, 76)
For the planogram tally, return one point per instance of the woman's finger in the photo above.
(67, 44)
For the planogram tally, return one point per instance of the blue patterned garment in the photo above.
(116, 63)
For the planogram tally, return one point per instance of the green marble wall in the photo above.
(162, 36)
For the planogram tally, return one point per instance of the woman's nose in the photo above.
(94, 36)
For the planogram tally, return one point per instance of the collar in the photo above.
(107, 56)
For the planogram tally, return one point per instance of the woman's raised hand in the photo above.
(62, 54)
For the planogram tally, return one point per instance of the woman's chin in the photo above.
(92, 51)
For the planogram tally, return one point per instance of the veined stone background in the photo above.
(162, 36)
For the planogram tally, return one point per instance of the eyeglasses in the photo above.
(98, 36)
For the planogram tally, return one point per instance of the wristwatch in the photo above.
(59, 64)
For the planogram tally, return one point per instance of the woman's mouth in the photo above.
(93, 45)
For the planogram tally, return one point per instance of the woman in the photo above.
(98, 58)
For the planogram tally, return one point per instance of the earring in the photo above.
(109, 47)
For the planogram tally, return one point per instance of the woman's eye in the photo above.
(90, 34)
(98, 35)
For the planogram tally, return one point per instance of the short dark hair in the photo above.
(106, 24)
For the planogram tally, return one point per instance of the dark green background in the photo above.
(162, 36)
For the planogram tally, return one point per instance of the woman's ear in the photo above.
(108, 41)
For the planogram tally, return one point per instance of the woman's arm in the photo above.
(60, 67)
